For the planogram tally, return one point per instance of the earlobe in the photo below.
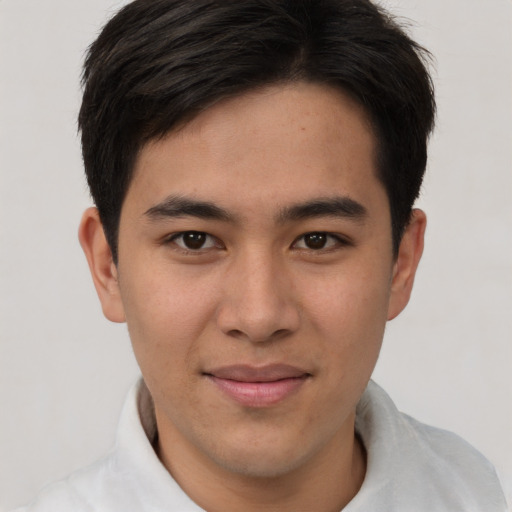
(406, 264)
(103, 271)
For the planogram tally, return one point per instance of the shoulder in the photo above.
(130, 478)
(104, 485)
(448, 451)
(65, 495)
(415, 465)
(94, 487)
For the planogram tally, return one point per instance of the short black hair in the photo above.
(158, 63)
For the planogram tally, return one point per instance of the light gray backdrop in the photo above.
(64, 370)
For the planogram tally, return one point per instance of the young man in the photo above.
(254, 166)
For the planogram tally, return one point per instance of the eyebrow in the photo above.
(178, 206)
(337, 207)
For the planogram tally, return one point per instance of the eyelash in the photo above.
(215, 242)
(339, 241)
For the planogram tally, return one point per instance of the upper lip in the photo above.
(248, 373)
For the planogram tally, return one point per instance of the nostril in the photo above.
(236, 333)
(273, 336)
(256, 316)
(280, 333)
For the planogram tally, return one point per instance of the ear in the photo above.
(406, 263)
(103, 271)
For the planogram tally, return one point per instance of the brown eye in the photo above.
(315, 240)
(194, 240)
(319, 240)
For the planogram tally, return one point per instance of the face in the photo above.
(256, 276)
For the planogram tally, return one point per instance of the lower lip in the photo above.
(259, 394)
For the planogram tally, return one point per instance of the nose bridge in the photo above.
(258, 303)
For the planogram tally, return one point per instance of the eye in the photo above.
(194, 240)
(318, 240)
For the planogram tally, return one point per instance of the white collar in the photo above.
(410, 466)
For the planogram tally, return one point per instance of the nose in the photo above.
(258, 302)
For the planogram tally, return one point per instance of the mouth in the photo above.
(253, 386)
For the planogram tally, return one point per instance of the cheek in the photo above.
(351, 296)
(350, 311)
(166, 313)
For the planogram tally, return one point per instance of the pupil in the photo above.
(194, 240)
(316, 240)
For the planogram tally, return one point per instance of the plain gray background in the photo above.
(64, 370)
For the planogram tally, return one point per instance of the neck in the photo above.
(325, 484)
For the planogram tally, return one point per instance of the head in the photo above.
(254, 165)
(157, 64)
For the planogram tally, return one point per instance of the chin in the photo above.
(253, 460)
(260, 467)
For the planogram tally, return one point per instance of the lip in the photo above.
(263, 386)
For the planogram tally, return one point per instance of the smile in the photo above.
(258, 387)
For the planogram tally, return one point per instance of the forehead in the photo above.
(276, 145)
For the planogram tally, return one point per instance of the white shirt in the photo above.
(411, 467)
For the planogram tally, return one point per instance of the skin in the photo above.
(259, 291)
